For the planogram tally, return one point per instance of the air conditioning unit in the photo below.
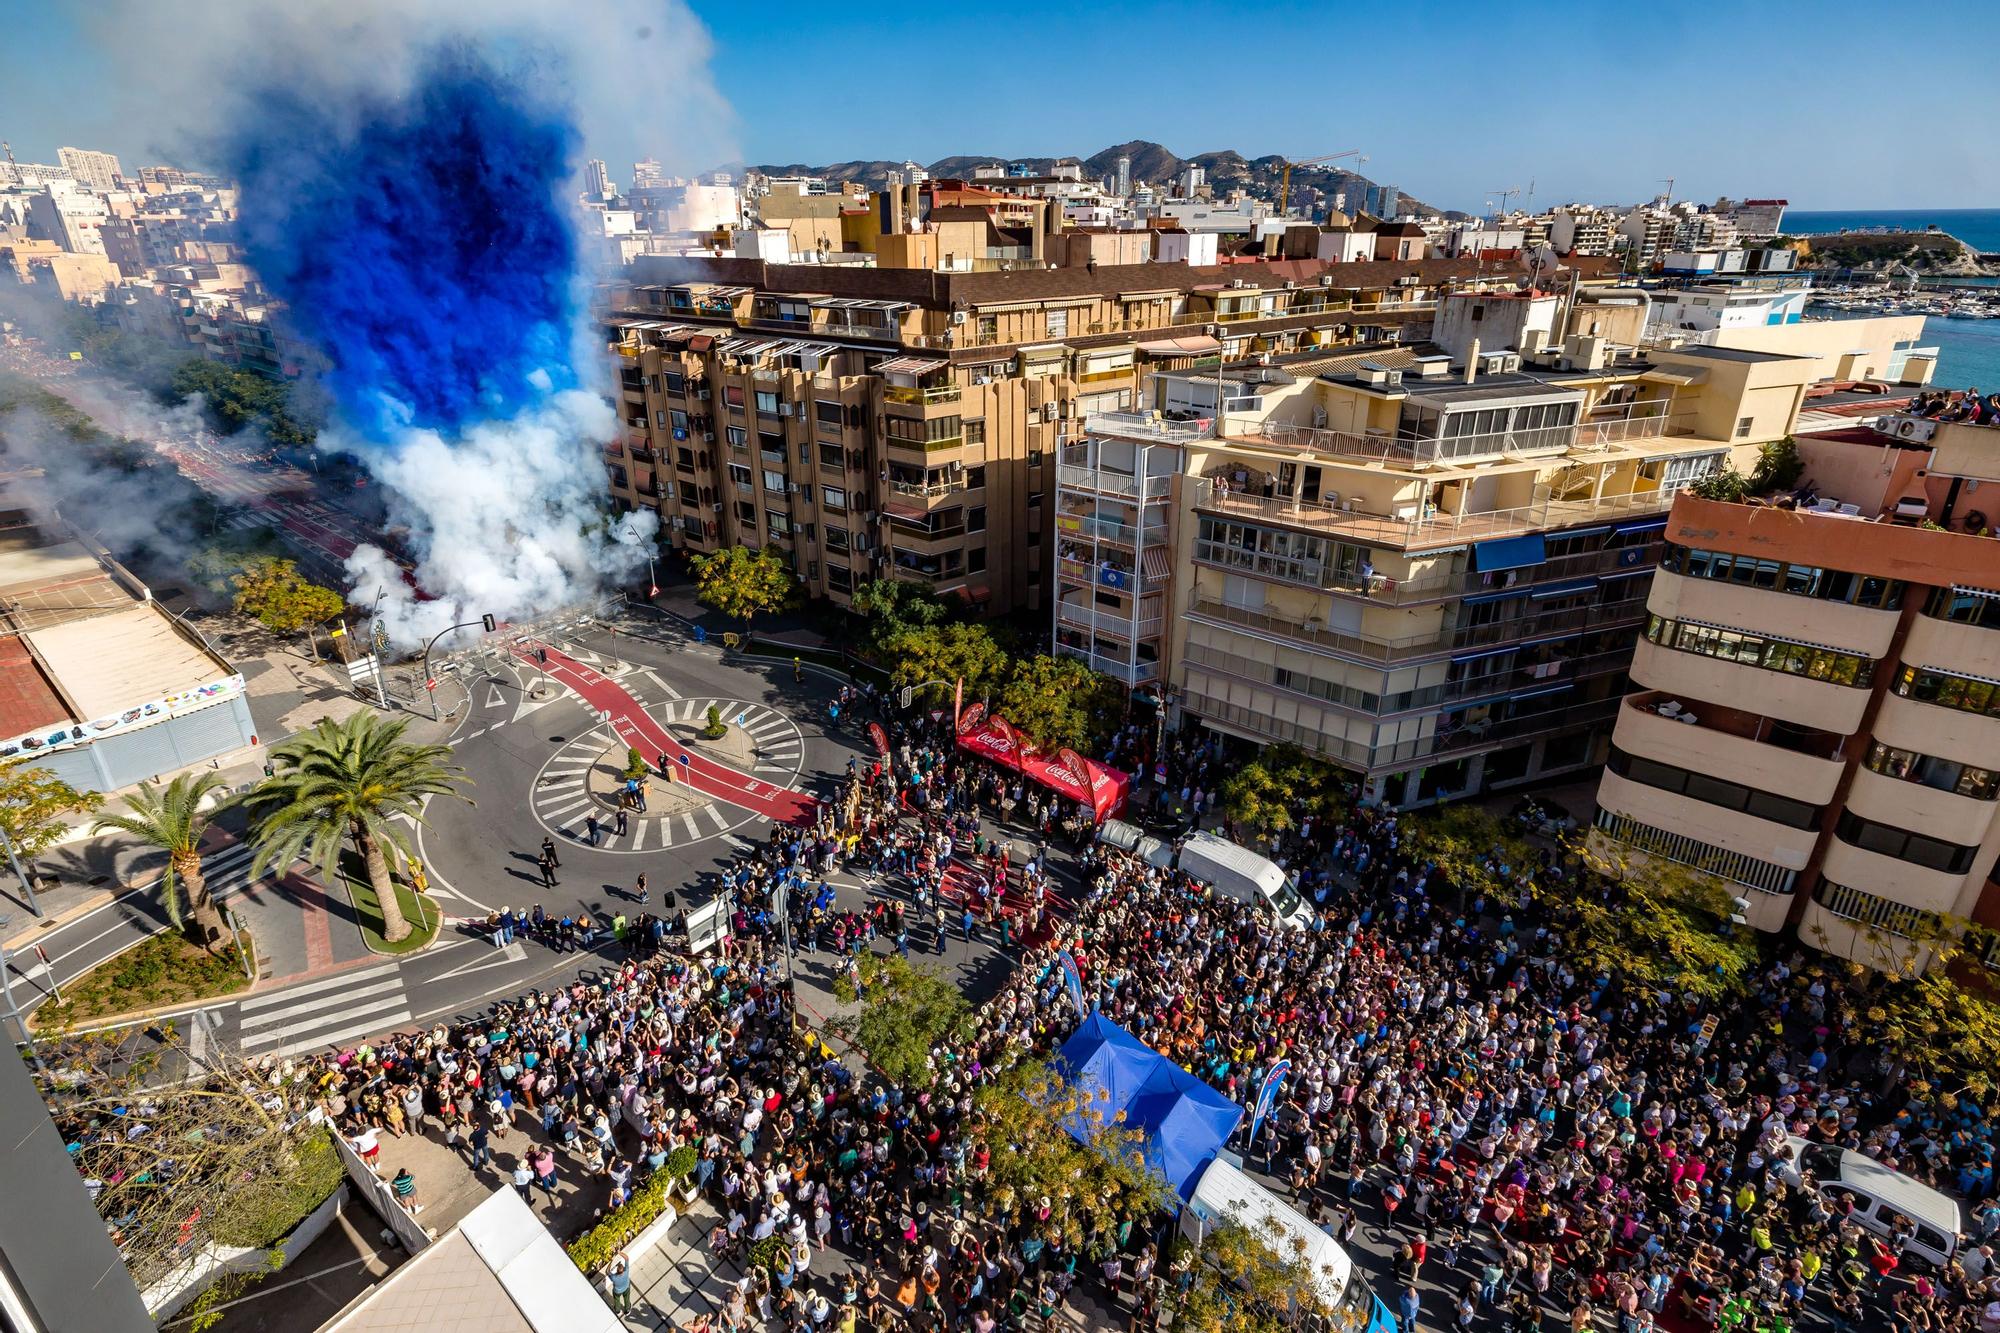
(1237, 282)
(1212, 330)
(1049, 411)
(1410, 281)
(709, 436)
(958, 317)
(701, 394)
(1326, 279)
(784, 409)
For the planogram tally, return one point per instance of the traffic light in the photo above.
(487, 620)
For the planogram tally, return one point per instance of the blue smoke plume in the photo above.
(419, 239)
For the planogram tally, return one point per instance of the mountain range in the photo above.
(1225, 171)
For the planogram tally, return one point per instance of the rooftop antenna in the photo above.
(9, 150)
(1505, 194)
(1668, 197)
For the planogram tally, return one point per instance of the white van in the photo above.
(1880, 1194)
(1130, 838)
(1224, 1195)
(1239, 873)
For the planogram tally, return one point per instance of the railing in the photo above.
(928, 489)
(1559, 717)
(1123, 580)
(1411, 527)
(907, 393)
(1131, 673)
(925, 446)
(1108, 482)
(1191, 319)
(1106, 621)
(1147, 426)
(641, 454)
(1100, 528)
(1740, 723)
(1596, 616)
(1313, 634)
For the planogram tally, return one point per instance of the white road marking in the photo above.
(721, 820)
(693, 831)
(291, 993)
(639, 834)
(377, 1008)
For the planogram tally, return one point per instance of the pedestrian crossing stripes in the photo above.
(327, 1012)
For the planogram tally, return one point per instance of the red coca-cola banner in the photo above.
(1102, 787)
(880, 736)
(971, 716)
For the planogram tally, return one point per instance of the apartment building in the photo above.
(1426, 565)
(1815, 713)
(906, 423)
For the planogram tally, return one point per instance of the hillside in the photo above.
(1928, 252)
(1226, 170)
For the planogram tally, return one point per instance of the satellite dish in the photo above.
(1539, 262)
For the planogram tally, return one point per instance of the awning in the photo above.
(1642, 525)
(904, 509)
(1510, 553)
(1193, 345)
(1500, 596)
(910, 365)
(1964, 591)
(1490, 652)
(1568, 533)
(701, 342)
(1673, 377)
(1565, 589)
(1537, 693)
(1154, 563)
(1625, 573)
(976, 593)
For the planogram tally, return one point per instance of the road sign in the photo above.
(707, 926)
(431, 684)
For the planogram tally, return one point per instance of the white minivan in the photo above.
(1239, 873)
(1880, 1194)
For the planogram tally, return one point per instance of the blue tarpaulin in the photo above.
(1184, 1120)
(1509, 553)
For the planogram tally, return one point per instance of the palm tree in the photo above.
(173, 819)
(349, 780)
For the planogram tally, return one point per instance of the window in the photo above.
(1783, 655)
(989, 328)
(975, 560)
(684, 459)
(780, 522)
(1871, 910)
(774, 481)
(680, 420)
(738, 437)
(676, 382)
(1967, 606)
(975, 431)
(832, 456)
(733, 395)
(1832, 585)
(1713, 790)
(740, 476)
(975, 519)
(1967, 694)
(767, 403)
(1982, 784)
(975, 477)
(1743, 425)
(746, 514)
(1934, 853)
(1058, 323)
(937, 431)
(1733, 866)
(1034, 458)
(829, 413)
(838, 577)
(836, 540)
(834, 499)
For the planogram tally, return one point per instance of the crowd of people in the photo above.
(1549, 1147)
(1970, 406)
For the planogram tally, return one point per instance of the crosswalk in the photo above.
(328, 1012)
(774, 738)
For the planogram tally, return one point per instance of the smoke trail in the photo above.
(407, 172)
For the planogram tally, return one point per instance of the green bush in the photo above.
(597, 1247)
(715, 728)
(1728, 485)
(264, 1209)
(770, 1252)
(682, 1161)
(165, 969)
(635, 764)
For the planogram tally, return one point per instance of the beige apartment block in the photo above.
(1815, 705)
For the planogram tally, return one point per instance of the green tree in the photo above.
(348, 781)
(743, 583)
(635, 764)
(1250, 1281)
(1024, 1117)
(923, 653)
(173, 818)
(1727, 484)
(33, 802)
(1058, 701)
(1464, 842)
(277, 596)
(1659, 924)
(908, 1010)
(1276, 790)
(1779, 466)
(1920, 996)
(890, 608)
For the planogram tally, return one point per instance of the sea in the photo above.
(1968, 349)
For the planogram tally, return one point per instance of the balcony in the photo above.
(1075, 471)
(1557, 717)
(1410, 528)
(1148, 426)
(927, 490)
(1105, 574)
(1096, 527)
(1127, 673)
(1109, 620)
(641, 454)
(921, 396)
(1410, 450)
(1765, 752)
(1312, 634)
(925, 446)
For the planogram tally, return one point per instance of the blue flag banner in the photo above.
(1073, 979)
(1267, 1095)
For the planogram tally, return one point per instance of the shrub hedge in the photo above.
(597, 1247)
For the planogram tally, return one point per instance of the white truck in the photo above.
(1239, 873)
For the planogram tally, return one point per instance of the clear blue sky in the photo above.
(1837, 105)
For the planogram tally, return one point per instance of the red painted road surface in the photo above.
(637, 729)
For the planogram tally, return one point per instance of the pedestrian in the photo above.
(405, 1188)
(479, 1140)
(620, 1276)
(621, 821)
(798, 670)
(524, 1178)
(593, 828)
(640, 892)
(544, 1162)
(548, 871)
(549, 850)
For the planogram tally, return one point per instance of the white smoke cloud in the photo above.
(507, 517)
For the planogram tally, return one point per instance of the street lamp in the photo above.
(909, 692)
(27, 880)
(13, 1010)
(430, 686)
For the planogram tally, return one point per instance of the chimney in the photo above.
(913, 205)
(1472, 361)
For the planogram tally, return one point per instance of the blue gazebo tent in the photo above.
(1184, 1121)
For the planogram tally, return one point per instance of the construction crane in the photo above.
(1285, 177)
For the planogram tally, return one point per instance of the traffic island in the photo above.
(165, 971)
(422, 914)
(606, 784)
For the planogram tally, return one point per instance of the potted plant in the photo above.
(680, 1168)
